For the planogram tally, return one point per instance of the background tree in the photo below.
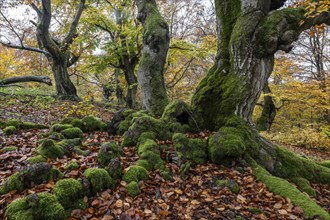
(155, 46)
(57, 51)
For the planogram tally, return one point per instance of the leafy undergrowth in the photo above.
(195, 197)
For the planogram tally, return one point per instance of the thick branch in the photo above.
(74, 24)
(22, 47)
(19, 79)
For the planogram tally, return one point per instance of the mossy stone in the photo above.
(184, 169)
(37, 159)
(12, 183)
(145, 164)
(69, 145)
(147, 145)
(325, 163)
(14, 122)
(133, 189)
(31, 125)
(71, 133)
(9, 130)
(77, 123)
(153, 158)
(99, 180)
(231, 184)
(68, 191)
(109, 151)
(145, 124)
(91, 123)
(67, 120)
(8, 149)
(135, 173)
(48, 149)
(55, 136)
(114, 168)
(226, 145)
(36, 207)
(60, 127)
(72, 165)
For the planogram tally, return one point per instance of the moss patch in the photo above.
(99, 180)
(36, 206)
(91, 123)
(231, 184)
(133, 189)
(304, 185)
(12, 183)
(31, 125)
(135, 173)
(145, 124)
(153, 158)
(107, 152)
(60, 127)
(71, 133)
(13, 122)
(37, 159)
(68, 192)
(9, 130)
(284, 188)
(8, 149)
(114, 168)
(72, 165)
(48, 149)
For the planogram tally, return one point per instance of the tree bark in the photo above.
(155, 46)
(265, 121)
(19, 79)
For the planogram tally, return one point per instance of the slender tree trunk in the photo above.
(64, 86)
(119, 90)
(155, 46)
(131, 87)
(268, 113)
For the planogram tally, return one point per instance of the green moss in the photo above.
(12, 183)
(147, 145)
(135, 173)
(77, 123)
(123, 127)
(2, 124)
(8, 149)
(153, 158)
(31, 125)
(192, 149)
(60, 127)
(114, 168)
(72, 165)
(133, 189)
(67, 120)
(304, 185)
(68, 191)
(79, 151)
(37, 159)
(284, 188)
(91, 123)
(145, 164)
(290, 165)
(226, 144)
(69, 146)
(108, 151)
(9, 130)
(145, 124)
(231, 184)
(184, 169)
(35, 174)
(146, 136)
(99, 180)
(325, 163)
(55, 136)
(14, 122)
(166, 173)
(72, 133)
(36, 207)
(50, 150)
(176, 127)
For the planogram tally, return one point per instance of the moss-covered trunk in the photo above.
(155, 46)
(250, 34)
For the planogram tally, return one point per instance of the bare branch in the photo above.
(23, 47)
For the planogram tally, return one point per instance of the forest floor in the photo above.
(194, 197)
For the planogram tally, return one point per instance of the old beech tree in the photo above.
(251, 32)
(58, 52)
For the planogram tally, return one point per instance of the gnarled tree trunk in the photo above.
(155, 46)
(251, 31)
